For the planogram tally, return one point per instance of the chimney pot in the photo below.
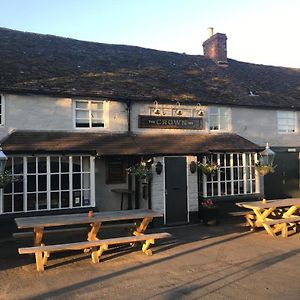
(210, 31)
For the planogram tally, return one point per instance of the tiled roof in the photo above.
(123, 144)
(46, 64)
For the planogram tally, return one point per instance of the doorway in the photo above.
(176, 190)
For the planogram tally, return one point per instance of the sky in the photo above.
(258, 31)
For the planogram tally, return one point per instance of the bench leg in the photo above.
(39, 261)
(284, 231)
(249, 218)
(146, 245)
(96, 254)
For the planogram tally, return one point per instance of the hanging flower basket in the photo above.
(264, 169)
(208, 168)
(140, 171)
(6, 178)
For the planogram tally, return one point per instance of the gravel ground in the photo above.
(199, 262)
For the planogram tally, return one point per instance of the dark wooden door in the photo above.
(284, 182)
(176, 190)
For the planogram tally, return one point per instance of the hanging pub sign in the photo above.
(170, 122)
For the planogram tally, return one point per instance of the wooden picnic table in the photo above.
(39, 223)
(274, 215)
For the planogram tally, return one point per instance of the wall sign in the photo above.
(170, 122)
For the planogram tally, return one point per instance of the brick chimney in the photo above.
(215, 47)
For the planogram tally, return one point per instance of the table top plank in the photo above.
(270, 203)
(83, 218)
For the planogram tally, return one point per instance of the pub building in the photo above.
(107, 127)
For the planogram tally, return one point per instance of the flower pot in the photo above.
(210, 216)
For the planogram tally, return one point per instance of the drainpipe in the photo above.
(128, 108)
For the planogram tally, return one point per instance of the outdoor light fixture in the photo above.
(178, 110)
(199, 110)
(267, 156)
(3, 160)
(158, 167)
(193, 167)
(156, 109)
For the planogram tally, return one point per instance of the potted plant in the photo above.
(210, 213)
(263, 169)
(208, 167)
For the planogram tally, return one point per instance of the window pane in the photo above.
(18, 165)
(18, 186)
(97, 105)
(55, 200)
(54, 164)
(96, 123)
(65, 181)
(31, 201)
(54, 182)
(65, 164)
(76, 164)
(42, 201)
(42, 182)
(86, 164)
(86, 198)
(7, 203)
(42, 165)
(18, 202)
(65, 199)
(76, 198)
(82, 123)
(31, 164)
(31, 183)
(82, 104)
(82, 114)
(76, 181)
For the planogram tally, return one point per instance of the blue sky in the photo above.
(258, 31)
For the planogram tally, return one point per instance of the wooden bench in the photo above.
(282, 224)
(97, 247)
(250, 218)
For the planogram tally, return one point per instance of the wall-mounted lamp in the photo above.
(193, 167)
(156, 110)
(199, 110)
(3, 160)
(158, 167)
(178, 110)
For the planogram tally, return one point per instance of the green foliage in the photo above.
(6, 178)
(141, 171)
(208, 168)
(264, 169)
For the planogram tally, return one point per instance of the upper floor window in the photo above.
(286, 121)
(89, 114)
(219, 118)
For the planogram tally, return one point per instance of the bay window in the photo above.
(235, 175)
(48, 183)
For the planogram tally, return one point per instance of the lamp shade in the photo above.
(267, 156)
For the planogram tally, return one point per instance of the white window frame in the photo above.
(244, 180)
(218, 114)
(284, 117)
(91, 189)
(89, 102)
(2, 114)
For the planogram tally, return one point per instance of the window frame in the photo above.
(90, 117)
(90, 172)
(241, 176)
(286, 118)
(218, 115)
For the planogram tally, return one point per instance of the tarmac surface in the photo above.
(199, 262)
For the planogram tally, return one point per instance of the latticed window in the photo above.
(286, 121)
(219, 118)
(89, 114)
(234, 176)
(49, 182)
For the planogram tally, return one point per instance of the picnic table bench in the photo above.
(274, 216)
(93, 242)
